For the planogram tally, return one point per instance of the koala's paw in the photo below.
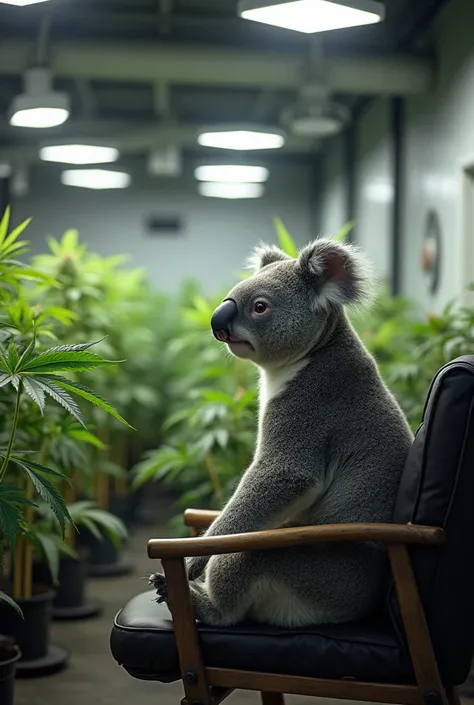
(196, 566)
(159, 583)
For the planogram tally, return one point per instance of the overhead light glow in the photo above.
(232, 173)
(39, 106)
(5, 170)
(310, 16)
(241, 139)
(39, 117)
(230, 190)
(95, 178)
(78, 154)
(21, 3)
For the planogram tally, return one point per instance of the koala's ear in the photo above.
(264, 255)
(338, 273)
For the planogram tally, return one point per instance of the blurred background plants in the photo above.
(193, 406)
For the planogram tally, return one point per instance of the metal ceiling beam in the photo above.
(219, 67)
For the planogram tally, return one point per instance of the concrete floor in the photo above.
(93, 677)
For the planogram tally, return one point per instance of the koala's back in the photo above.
(343, 416)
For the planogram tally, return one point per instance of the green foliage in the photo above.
(34, 462)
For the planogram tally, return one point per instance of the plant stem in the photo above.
(16, 414)
(213, 476)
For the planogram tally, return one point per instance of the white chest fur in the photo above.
(274, 382)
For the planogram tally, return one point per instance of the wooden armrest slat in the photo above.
(298, 536)
(199, 518)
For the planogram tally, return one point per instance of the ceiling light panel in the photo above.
(243, 140)
(231, 173)
(95, 178)
(230, 191)
(311, 16)
(78, 154)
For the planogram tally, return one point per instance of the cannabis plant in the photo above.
(30, 489)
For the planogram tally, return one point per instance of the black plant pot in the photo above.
(104, 561)
(38, 656)
(9, 655)
(70, 601)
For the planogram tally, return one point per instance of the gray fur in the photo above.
(331, 445)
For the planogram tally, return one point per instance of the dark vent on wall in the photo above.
(163, 225)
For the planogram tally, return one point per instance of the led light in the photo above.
(241, 139)
(229, 190)
(40, 106)
(78, 154)
(229, 173)
(21, 3)
(310, 16)
(95, 178)
(39, 117)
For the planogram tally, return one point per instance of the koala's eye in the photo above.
(260, 307)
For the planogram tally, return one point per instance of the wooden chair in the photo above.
(414, 650)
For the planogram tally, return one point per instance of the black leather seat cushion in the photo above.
(142, 641)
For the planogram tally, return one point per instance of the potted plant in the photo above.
(30, 374)
(9, 655)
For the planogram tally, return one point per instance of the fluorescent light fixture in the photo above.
(231, 173)
(229, 190)
(39, 117)
(21, 3)
(95, 178)
(40, 106)
(241, 139)
(310, 16)
(78, 154)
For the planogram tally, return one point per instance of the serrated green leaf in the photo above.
(3, 363)
(89, 395)
(5, 379)
(29, 351)
(76, 361)
(61, 397)
(15, 233)
(35, 391)
(12, 520)
(48, 492)
(16, 456)
(79, 347)
(13, 356)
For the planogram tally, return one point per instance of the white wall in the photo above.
(374, 186)
(217, 235)
(439, 137)
(333, 201)
(438, 140)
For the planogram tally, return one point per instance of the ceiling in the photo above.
(147, 73)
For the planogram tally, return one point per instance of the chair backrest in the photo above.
(437, 489)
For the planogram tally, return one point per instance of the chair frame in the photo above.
(209, 686)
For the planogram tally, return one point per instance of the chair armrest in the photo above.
(298, 536)
(199, 518)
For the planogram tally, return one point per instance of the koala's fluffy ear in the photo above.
(264, 255)
(338, 273)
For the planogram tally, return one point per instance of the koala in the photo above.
(331, 445)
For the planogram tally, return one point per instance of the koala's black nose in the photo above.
(223, 317)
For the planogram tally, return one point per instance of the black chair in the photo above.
(416, 650)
